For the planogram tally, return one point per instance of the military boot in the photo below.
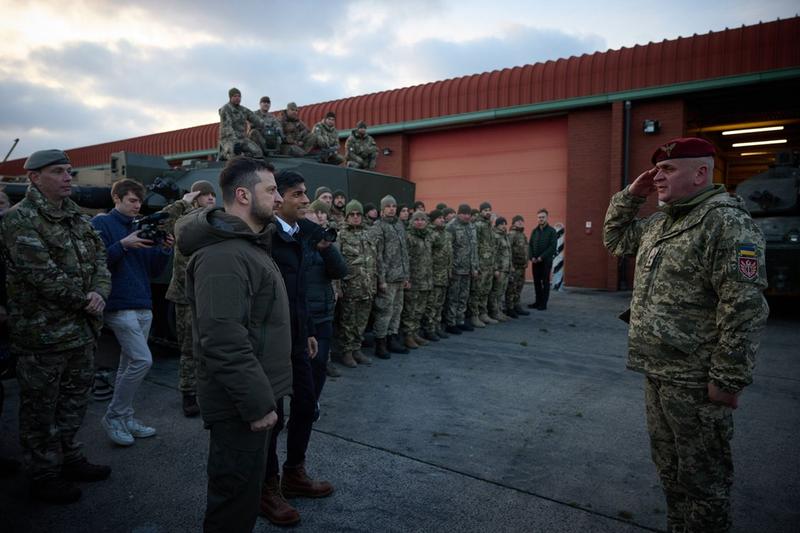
(454, 330)
(521, 312)
(55, 490)
(297, 484)
(331, 371)
(430, 335)
(486, 319)
(274, 506)
(442, 335)
(360, 358)
(477, 322)
(346, 358)
(381, 351)
(395, 345)
(500, 317)
(410, 342)
(419, 340)
(85, 471)
(512, 314)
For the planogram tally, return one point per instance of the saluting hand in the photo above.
(643, 185)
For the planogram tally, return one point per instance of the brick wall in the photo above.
(395, 163)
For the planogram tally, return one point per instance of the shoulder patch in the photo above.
(747, 258)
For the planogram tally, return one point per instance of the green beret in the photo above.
(353, 206)
(204, 187)
(388, 200)
(320, 191)
(45, 158)
(232, 91)
(464, 209)
(485, 205)
(516, 218)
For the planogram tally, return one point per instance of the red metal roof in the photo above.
(757, 48)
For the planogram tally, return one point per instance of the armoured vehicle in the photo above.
(773, 199)
(165, 184)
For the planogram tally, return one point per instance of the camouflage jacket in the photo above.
(420, 258)
(358, 250)
(361, 150)
(233, 123)
(502, 252)
(698, 306)
(295, 130)
(519, 248)
(465, 247)
(392, 249)
(270, 122)
(324, 137)
(486, 245)
(176, 292)
(54, 259)
(442, 253)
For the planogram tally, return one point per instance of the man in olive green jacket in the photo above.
(242, 336)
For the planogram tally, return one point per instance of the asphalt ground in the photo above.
(529, 426)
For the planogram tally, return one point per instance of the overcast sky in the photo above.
(85, 72)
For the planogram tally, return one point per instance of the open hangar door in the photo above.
(518, 167)
(756, 131)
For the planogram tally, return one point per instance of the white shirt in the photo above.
(291, 230)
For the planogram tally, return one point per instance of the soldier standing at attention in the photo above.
(337, 209)
(442, 265)
(233, 119)
(360, 148)
(57, 282)
(295, 132)
(479, 290)
(420, 261)
(542, 249)
(696, 317)
(270, 136)
(325, 139)
(465, 270)
(519, 264)
(502, 268)
(393, 277)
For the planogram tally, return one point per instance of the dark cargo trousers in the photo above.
(541, 282)
(690, 444)
(236, 463)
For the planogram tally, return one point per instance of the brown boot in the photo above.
(420, 341)
(486, 319)
(275, 507)
(361, 359)
(410, 342)
(477, 323)
(346, 358)
(297, 484)
(381, 351)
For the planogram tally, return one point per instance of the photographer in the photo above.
(134, 255)
(324, 265)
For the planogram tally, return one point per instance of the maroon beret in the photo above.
(682, 148)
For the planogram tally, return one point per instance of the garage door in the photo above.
(518, 167)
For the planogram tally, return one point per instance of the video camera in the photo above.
(148, 227)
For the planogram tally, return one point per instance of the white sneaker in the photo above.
(139, 430)
(117, 431)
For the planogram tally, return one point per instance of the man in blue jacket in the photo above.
(132, 260)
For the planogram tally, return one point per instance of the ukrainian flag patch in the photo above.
(747, 250)
(748, 260)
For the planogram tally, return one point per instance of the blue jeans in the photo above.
(131, 327)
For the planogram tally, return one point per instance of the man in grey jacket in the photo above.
(242, 336)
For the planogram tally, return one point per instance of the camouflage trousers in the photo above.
(245, 146)
(414, 303)
(54, 392)
(366, 163)
(457, 297)
(690, 445)
(432, 317)
(187, 370)
(516, 282)
(266, 144)
(350, 321)
(479, 293)
(388, 309)
(497, 295)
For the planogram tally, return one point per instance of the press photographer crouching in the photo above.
(137, 250)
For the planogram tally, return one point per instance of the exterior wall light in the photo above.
(650, 127)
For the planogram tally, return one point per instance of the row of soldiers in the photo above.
(260, 133)
(440, 273)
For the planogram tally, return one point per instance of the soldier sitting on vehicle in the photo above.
(325, 140)
(295, 132)
(361, 149)
(233, 119)
(270, 136)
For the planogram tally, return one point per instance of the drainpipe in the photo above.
(622, 262)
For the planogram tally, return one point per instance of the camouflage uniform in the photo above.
(465, 262)
(503, 267)
(361, 152)
(54, 259)
(479, 291)
(696, 315)
(295, 135)
(393, 270)
(325, 139)
(421, 262)
(233, 131)
(442, 266)
(358, 287)
(519, 264)
(269, 137)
